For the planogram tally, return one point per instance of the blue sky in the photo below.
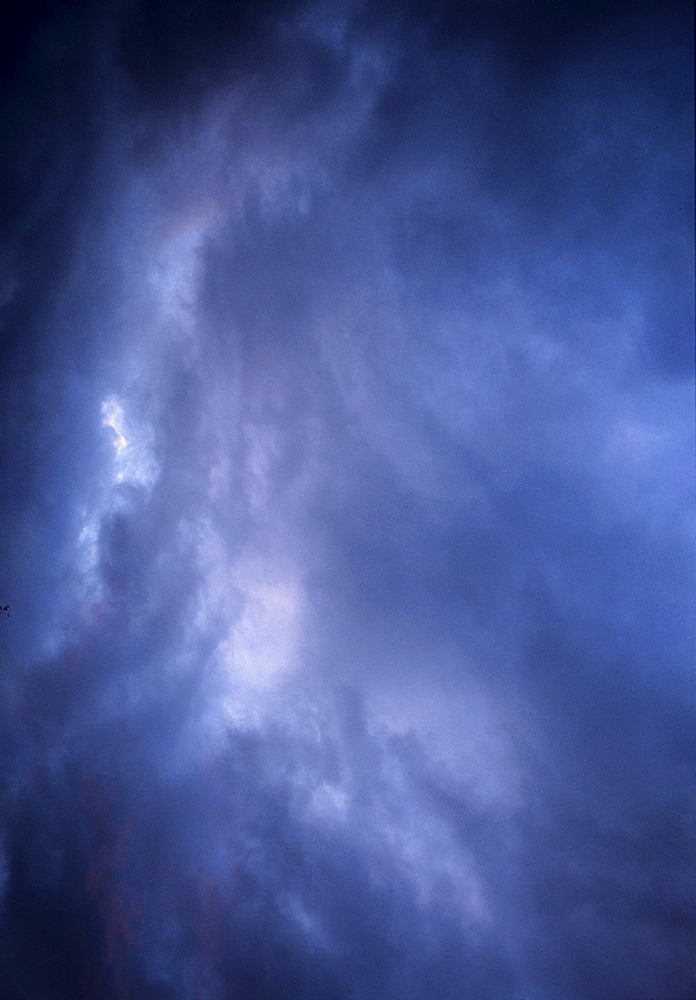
(348, 502)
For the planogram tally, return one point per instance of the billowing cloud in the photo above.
(347, 489)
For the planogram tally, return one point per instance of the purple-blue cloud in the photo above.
(347, 491)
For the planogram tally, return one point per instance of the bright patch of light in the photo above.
(112, 417)
(263, 644)
(133, 460)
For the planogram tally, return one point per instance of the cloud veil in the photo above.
(348, 511)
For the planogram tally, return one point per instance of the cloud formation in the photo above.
(347, 491)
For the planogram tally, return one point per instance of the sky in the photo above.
(347, 501)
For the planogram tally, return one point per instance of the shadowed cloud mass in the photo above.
(347, 502)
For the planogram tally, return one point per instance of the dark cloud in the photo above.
(347, 502)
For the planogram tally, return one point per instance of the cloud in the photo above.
(347, 515)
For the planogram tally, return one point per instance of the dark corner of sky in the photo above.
(347, 503)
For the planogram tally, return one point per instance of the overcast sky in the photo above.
(347, 501)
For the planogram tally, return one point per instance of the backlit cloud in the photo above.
(347, 494)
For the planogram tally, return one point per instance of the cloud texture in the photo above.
(347, 502)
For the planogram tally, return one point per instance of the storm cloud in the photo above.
(347, 502)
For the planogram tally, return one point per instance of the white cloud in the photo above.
(134, 461)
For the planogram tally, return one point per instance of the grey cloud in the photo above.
(345, 522)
